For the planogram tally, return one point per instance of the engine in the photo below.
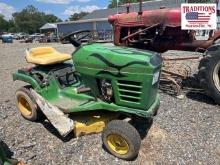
(106, 90)
(158, 30)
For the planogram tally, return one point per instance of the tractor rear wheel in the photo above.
(26, 104)
(121, 139)
(209, 72)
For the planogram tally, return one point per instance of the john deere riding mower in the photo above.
(102, 89)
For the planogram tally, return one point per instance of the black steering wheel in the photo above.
(75, 37)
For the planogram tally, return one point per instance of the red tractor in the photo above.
(160, 30)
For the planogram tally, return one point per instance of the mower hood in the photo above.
(107, 57)
(134, 73)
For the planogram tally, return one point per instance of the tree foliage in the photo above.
(29, 20)
(3, 24)
(112, 4)
(77, 16)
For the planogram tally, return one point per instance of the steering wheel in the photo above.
(75, 37)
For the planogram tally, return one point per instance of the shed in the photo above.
(49, 27)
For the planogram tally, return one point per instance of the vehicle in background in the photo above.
(7, 38)
(41, 38)
(52, 37)
(37, 35)
(160, 30)
(20, 36)
(15, 36)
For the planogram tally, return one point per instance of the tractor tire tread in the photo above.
(127, 131)
(206, 67)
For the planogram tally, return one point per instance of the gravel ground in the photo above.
(185, 131)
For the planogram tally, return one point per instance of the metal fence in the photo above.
(104, 35)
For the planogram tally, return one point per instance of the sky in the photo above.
(61, 8)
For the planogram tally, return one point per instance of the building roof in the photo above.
(48, 26)
(149, 5)
(83, 21)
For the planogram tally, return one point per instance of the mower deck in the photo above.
(67, 103)
(91, 123)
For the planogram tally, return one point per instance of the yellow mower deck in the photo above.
(91, 123)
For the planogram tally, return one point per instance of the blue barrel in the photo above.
(7, 38)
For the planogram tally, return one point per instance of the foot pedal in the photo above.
(83, 90)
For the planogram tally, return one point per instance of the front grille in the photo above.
(129, 91)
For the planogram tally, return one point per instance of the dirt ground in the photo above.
(184, 131)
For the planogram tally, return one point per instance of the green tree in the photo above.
(77, 16)
(30, 19)
(11, 26)
(6, 26)
(112, 4)
(3, 24)
(50, 18)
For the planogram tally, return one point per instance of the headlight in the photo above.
(155, 78)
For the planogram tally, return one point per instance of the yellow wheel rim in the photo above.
(118, 144)
(24, 106)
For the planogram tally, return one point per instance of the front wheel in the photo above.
(121, 139)
(26, 104)
(209, 72)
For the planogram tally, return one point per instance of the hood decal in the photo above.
(118, 67)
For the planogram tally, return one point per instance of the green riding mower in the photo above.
(99, 88)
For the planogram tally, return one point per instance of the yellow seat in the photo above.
(45, 56)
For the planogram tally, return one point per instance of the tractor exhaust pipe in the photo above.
(128, 5)
(140, 7)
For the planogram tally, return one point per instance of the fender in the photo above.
(26, 78)
(215, 47)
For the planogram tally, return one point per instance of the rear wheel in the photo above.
(209, 72)
(121, 139)
(26, 104)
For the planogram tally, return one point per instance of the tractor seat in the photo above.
(45, 56)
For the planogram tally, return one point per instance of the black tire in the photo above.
(24, 99)
(130, 138)
(209, 72)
